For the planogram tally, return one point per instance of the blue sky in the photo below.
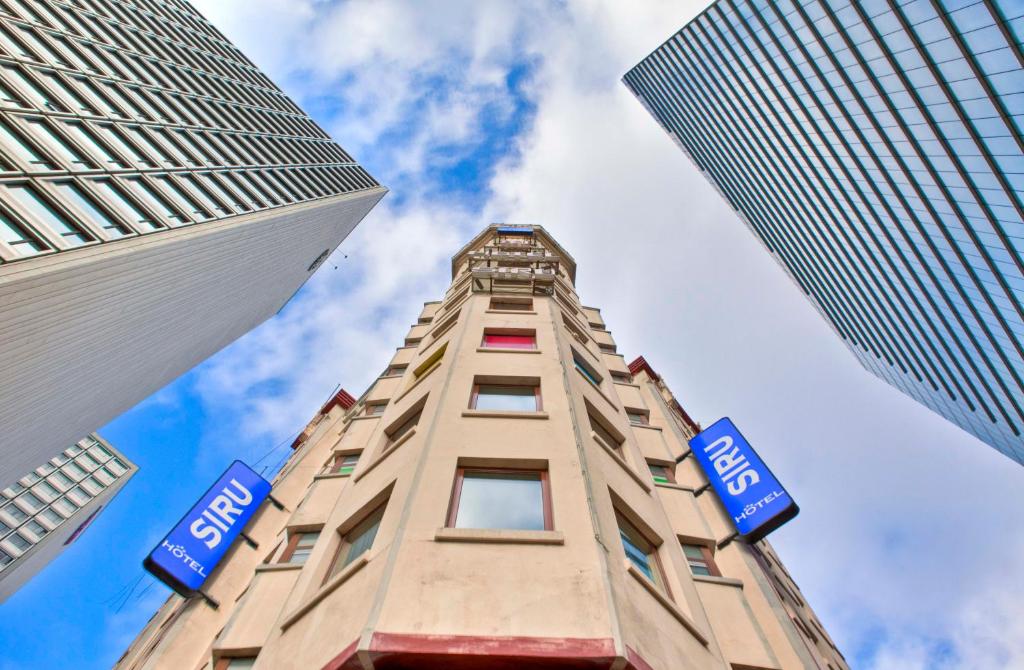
(472, 112)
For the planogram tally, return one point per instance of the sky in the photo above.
(907, 545)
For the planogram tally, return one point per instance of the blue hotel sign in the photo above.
(189, 553)
(753, 497)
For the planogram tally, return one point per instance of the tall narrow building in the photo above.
(51, 506)
(876, 150)
(159, 197)
(507, 494)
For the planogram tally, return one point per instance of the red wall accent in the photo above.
(395, 651)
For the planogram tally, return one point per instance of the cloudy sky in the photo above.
(472, 112)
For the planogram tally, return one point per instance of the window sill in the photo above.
(336, 581)
(724, 581)
(366, 416)
(384, 454)
(499, 536)
(279, 567)
(505, 350)
(622, 463)
(673, 485)
(504, 414)
(666, 602)
(510, 311)
(332, 475)
(644, 425)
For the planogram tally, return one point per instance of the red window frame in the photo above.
(708, 558)
(460, 475)
(670, 474)
(494, 340)
(536, 394)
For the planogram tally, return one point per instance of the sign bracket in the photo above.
(210, 600)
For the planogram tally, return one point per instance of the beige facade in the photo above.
(508, 494)
(159, 197)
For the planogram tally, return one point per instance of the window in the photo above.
(15, 513)
(300, 546)
(16, 144)
(507, 339)
(5, 558)
(31, 501)
(399, 430)
(65, 506)
(640, 551)
(30, 199)
(72, 469)
(51, 516)
(18, 238)
(514, 398)
(604, 434)
(18, 542)
(503, 499)
(662, 473)
(431, 362)
(62, 479)
(58, 144)
(638, 417)
(154, 200)
(92, 211)
(357, 541)
(238, 663)
(700, 560)
(512, 304)
(585, 368)
(395, 370)
(127, 206)
(37, 528)
(375, 408)
(4, 529)
(343, 464)
(86, 138)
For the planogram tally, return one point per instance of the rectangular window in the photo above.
(429, 363)
(662, 473)
(300, 546)
(700, 560)
(31, 501)
(20, 240)
(30, 199)
(72, 469)
(86, 138)
(65, 506)
(640, 551)
(357, 541)
(512, 304)
(18, 542)
(638, 417)
(375, 409)
(58, 144)
(395, 370)
(585, 368)
(495, 339)
(604, 434)
(16, 144)
(127, 206)
(38, 529)
(501, 499)
(506, 398)
(51, 516)
(5, 558)
(344, 464)
(395, 433)
(93, 212)
(15, 513)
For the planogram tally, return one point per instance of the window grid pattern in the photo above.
(876, 149)
(152, 117)
(54, 493)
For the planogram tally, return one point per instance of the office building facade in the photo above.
(509, 493)
(159, 197)
(876, 151)
(50, 507)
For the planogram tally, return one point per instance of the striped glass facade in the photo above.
(875, 148)
(120, 119)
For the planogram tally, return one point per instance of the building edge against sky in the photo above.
(159, 198)
(51, 506)
(877, 153)
(512, 477)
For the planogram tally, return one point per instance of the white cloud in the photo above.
(906, 544)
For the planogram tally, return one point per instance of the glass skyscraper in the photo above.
(875, 148)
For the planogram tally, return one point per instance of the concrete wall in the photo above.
(89, 333)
